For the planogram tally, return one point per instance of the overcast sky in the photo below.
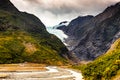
(51, 12)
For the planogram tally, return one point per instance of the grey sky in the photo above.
(51, 12)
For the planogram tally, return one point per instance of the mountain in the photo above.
(75, 24)
(23, 38)
(73, 30)
(105, 67)
(93, 37)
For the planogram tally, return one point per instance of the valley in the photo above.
(85, 48)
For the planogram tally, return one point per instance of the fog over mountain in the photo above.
(51, 12)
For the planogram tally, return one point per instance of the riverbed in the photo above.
(50, 73)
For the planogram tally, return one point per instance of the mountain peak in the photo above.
(112, 7)
(107, 13)
(7, 6)
(118, 3)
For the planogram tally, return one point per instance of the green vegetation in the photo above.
(105, 67)
(23, 38)
(24, 48)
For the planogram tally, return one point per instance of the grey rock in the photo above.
(93, 36)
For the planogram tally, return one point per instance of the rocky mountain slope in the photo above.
(23, 38)
(93, 36)
(106, 67)
(75, 24)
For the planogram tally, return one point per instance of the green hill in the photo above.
(106, 67)
(23, 38)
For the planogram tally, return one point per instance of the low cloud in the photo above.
(59, 7)
(50, 10)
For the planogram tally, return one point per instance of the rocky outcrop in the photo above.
(94, 36)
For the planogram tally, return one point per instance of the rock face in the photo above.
(75, 24)
(23, 38)
(72, 30)
(93, 36)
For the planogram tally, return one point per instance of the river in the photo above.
(52, 73)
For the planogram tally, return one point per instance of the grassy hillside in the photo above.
(106, 67)
(23, 38)
(19, 46)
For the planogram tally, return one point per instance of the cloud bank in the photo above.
(51, 12)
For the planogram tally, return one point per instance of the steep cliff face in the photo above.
(96, 35)
(23, 37)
